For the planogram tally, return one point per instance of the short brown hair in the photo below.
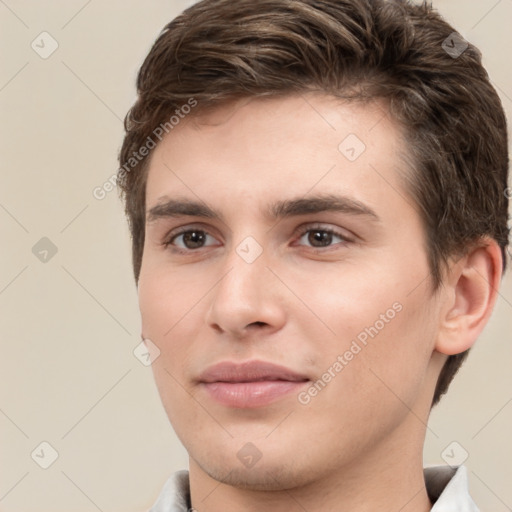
(433, 81)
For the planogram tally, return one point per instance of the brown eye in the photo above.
(319, 238)
(190, 239)
(193, 239)
(322, 237)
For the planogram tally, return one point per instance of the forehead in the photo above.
(257, 150)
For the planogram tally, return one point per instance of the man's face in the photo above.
(340, 297)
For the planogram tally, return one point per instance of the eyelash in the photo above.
(169, 240)
(324, 229)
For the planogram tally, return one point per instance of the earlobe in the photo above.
(472, 286)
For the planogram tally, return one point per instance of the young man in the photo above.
(316, 195)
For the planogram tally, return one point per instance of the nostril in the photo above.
(258, 323)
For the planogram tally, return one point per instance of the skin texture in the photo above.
(357, 444)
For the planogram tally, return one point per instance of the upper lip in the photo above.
(249, 371)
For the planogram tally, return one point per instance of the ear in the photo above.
(471, 287)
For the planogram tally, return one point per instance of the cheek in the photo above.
(165, 297)
(372, 375)
(171, 312)
(347, 302)
(165, 308)
(156, 308)
(382, 328)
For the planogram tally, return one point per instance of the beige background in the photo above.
(69, 326)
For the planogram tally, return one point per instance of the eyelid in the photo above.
(305, 228)
(175, 233)
(298, 233)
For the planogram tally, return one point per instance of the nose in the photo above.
(248, 299)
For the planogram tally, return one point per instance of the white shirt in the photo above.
(447, 488)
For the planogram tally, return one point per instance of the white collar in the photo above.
(447, 487)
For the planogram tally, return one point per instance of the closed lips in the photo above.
(250, 371)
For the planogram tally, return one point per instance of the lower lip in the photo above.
(251, 394)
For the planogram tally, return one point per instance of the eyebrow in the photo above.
(275, 211)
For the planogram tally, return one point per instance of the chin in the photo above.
(261, 477)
